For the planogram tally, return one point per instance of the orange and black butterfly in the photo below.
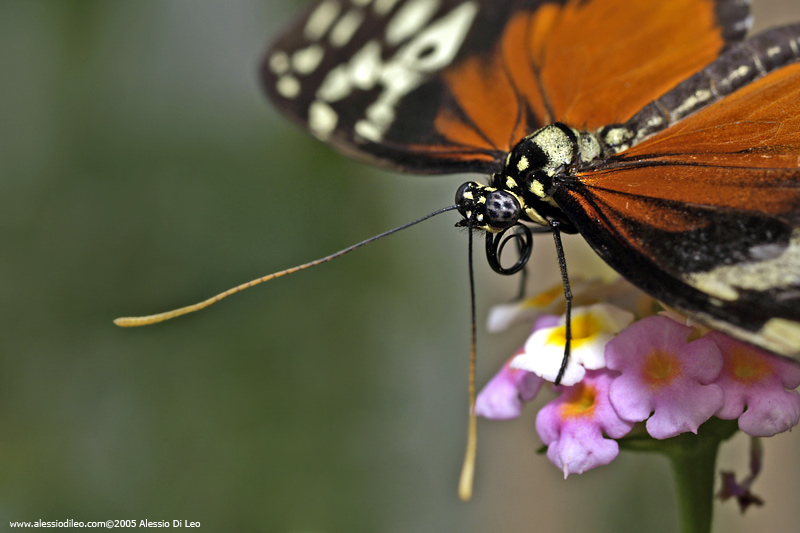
(653, 129)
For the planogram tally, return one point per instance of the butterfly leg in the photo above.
(555, 226)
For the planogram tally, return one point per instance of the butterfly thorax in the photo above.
(534, 169)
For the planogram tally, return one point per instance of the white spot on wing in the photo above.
(279, 62)
(381, 115)
(411, 18)
(307, 60)
(336, 85)
(346, 27)
(436, 46)
(288, 86)
(322, 119)
(368, 131)
(775, 271)
(429, 50)
(321, 20)
(365, 66)
(382, 7)
(785, 333)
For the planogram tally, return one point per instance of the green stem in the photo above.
(693, 459)
(694, 476)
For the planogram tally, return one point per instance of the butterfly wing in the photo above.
(437, 86)
(705, 215)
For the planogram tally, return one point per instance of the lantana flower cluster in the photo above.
(659, 369)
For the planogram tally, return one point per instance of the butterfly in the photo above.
(652, 129)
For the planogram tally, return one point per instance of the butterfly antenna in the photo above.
(133, 321)
(466, 481)
(562, 265)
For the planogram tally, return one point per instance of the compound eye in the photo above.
(502, 210)
(464, 197)
(461, 191)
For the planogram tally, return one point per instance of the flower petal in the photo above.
(755, 383)
(663, 374)
(574, 426)
(502, 397)
(591, 328)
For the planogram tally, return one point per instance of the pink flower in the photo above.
(758, 381)
(664, 374)
(592, 327)
(574, 424)
(503, 396)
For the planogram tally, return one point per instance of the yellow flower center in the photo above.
(745, 365)
(661, 367)
(584, 329)
(579, 402)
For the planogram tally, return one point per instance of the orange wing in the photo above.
(741, 154)
(706, 214)
(585, 63)
(452, 85)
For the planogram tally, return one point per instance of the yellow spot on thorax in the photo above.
(537, 188)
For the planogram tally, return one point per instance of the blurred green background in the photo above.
(141, 169)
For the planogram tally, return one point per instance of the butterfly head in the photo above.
(533, 170)
(490, 208)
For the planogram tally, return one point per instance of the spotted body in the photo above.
(654, 130)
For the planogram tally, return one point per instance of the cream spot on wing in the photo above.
(322, 119)
(523, 164)
(321, 20)
(365, 66)
(346, 27)
(429, 49)
(279, 62)
(307, 60)
(382, 7)
(412, 17)
(288, 86)
(335, 86)
(785, 333)
(774, 271)
(368, 131)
